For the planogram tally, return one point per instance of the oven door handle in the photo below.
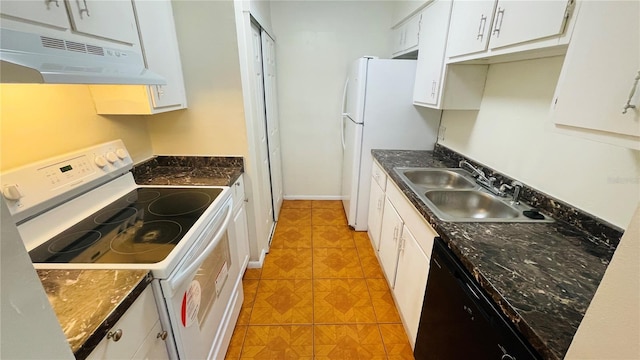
(177, 280)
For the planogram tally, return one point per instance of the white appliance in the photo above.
(378, 113)
(83, 210)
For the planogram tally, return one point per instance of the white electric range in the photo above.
(83, 210)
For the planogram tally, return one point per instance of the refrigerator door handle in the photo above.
(344, 114)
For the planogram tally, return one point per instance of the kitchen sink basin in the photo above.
(452, 194)
(470, 205)
(433, 178)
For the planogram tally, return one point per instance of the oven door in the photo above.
(198, 291)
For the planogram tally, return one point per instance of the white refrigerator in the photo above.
(378, 113)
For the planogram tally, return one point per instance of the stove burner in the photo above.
(180, 203)
(115, 216)
(73, 242)
(151, 236)
(143, 196)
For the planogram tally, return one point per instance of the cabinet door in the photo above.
(112, 20)
(430, 66)
(411, 282)
(599, 70)
(134, 326)
(154, 347)
(470, 27)
(376, 207)
(241, 236)
(161, 53)
(51, 12)
(517, 21)
(412, 33)
(389, 238)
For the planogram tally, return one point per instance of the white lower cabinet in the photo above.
(411, 282)
(376, 208)
(239, 226)
(389, 241)
(406, 241)
(137, 335)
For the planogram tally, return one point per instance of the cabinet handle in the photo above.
(162, 335)
(628, 105)
(483, 24)
(160, 91)
(86, 8)
(52, 1)
(499, 17)
(433, 88)
(379, 203)
(115, 335)
(395, 234)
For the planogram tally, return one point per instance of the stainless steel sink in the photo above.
(433, 178)
(453, 195)
(472, 205)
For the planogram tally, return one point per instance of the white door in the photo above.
(352, 140)
(376, 207)
(52, 13)
(430, 66)
(470, 27)
(273, 127)
(112, 20)
(517, 21)
(266, 208)
(411, 282)
(356, 84)
(389, 238)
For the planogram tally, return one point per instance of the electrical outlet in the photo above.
(441, 132)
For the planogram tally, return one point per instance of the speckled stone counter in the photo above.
(189, 170)
(89, 302)
(542, 275)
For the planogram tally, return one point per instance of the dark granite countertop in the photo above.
(542, 275)
(89, 302)
(189, 170)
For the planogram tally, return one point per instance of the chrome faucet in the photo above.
(481, 178)
(516, 186)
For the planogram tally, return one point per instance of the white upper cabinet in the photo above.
(81, 20)
(161, 55)
(470, 27)
(489, 27)
(51, 12)
(406, 36)
(113, 20)
(439, 86)
(600, 75)
(517, 21)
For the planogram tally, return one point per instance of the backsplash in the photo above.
(599, 230)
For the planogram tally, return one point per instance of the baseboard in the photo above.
(312, 197)
(257, 264)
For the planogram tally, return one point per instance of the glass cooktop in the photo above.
(141, 227)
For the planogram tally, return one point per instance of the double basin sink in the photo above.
(453, 195)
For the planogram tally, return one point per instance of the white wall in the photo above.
(213, 123)
(316, 41)
(511, 134)
(611, 327)
(39, 121)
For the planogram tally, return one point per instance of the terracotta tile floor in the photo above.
(320, 294)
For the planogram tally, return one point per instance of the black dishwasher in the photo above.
(459, 321)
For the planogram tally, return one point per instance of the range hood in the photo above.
(33, 58)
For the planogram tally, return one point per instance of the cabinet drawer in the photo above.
(379, 175)
(135, 325)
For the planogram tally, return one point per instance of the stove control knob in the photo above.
(122, 153)
(12, 192)
(100, 161)
(112, 157)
